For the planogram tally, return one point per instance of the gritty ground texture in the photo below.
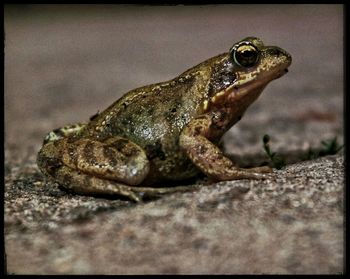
(65, 63)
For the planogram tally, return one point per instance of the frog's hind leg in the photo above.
(112, 162)
(81, 183)
(88, 166)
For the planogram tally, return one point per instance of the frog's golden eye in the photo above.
(245, 55)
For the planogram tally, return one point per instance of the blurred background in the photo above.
(63, 63)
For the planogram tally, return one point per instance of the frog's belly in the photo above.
(171, 169)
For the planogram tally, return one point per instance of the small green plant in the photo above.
(277, 160)
(329, 147)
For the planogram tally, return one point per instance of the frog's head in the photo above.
(240, 75)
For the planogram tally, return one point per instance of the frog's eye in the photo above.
(245, 55)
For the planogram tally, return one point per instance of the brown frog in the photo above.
(167, 131)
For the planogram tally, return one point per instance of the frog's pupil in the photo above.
(248, 53)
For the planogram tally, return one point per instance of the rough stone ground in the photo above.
(63, 64)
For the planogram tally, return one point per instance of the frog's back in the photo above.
(153, 113)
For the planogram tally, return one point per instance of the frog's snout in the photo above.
(280, 58)
(279, 52)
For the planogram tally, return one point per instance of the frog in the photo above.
(165, 132)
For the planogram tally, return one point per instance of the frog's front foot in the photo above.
(263, 169)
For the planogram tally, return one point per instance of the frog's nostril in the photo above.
(276, 52)
(279, 53)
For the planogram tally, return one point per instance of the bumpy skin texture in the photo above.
(166, 131)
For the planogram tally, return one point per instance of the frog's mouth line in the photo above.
(253, 87)
(235, 92)
(282, 73)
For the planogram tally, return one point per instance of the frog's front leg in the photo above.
(209, 158)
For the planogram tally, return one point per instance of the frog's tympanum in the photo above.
(167, 131)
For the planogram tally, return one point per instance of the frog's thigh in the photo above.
(209, 158)
(116, 159)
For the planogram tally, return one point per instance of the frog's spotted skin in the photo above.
(63, 132)
(166, 131)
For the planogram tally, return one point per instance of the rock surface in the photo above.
(292, 224)
(63, 64)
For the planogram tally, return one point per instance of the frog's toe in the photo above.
(263, 169)
(259, 175)
(136, 197)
